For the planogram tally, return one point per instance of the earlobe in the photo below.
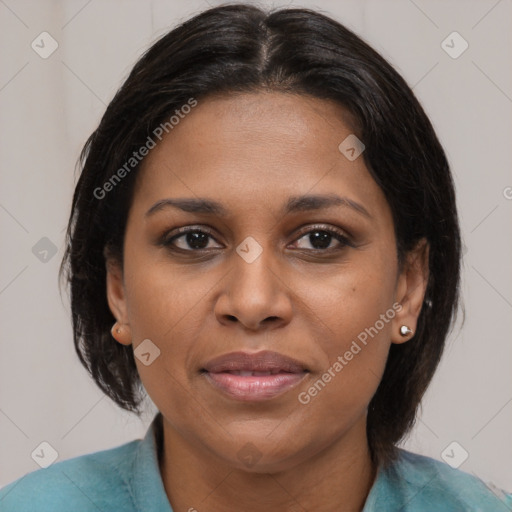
(121, 333)
(117, 302)
(410, 292)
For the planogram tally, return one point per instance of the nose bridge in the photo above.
(254, 274)
(253, 291)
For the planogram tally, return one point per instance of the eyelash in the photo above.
(342, 238)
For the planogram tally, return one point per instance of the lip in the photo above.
(275, 374)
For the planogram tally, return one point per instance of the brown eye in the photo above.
(323, 238)
(190, 239)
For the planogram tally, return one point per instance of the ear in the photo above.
(116, 298)
(410, 290)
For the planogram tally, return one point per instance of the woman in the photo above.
(264, 237)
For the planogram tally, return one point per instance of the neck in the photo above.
(339, 477)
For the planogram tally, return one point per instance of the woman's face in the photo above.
(313, 280)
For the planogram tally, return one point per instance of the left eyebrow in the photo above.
(318, 202)
(294, 204)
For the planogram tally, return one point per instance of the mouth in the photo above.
(254, 377)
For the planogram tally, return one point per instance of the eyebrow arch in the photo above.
(294, 204)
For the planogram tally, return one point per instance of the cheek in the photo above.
(350, 299)
(355, 308)
(161, 298)
(166, 308)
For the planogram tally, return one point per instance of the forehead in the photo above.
(256, 148)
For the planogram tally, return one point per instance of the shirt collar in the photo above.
(147, 485)
(149, 493)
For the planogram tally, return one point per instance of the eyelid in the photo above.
(323, 227)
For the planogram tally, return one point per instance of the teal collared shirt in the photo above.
(127, 479)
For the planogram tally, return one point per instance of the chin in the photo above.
(259, 454)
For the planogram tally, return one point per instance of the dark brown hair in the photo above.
(241, 48)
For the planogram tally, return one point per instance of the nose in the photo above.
(255, 295)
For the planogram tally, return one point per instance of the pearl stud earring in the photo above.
(404, 330)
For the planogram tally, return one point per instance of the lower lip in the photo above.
(254, 388)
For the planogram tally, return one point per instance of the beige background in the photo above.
(50, 106)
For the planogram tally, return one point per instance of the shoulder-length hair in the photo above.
(240, 48)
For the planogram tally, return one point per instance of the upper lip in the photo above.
(258, 362)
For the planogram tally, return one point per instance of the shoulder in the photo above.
(96, 481)
(421, 483)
